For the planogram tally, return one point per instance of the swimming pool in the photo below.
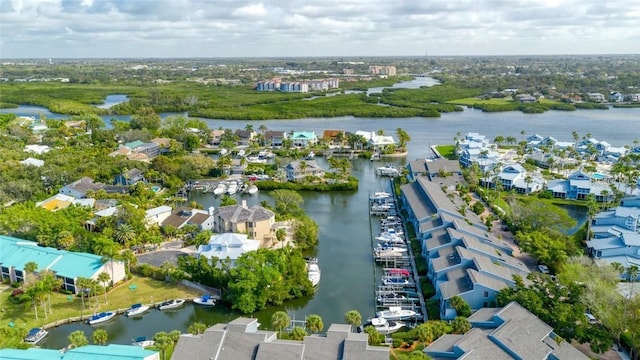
(598, 176)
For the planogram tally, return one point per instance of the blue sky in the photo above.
(244, 28)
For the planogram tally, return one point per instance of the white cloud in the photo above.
(149, 28)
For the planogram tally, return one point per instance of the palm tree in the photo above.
(522, 132)
(130, 258)
(263, 128)
(124, 233)
(104, 278)
(77, 339)
(314, 323)
(528, 180)
(51, 283)
(99, 336)
(403, 138)
(460, 325)
(197, 328)
(353, 318)
(82, 283)
(510, 140)
(162, 341)
(279, 321)
(499, 140)
(110, 251)
(302, 167)
(298, 333)
(249, 127)
(424, 332)
(30, 269)
(35, 294)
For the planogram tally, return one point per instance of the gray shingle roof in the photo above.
(239, 214)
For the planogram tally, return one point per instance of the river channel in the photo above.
(344, 250)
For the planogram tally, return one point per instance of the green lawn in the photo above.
(146, 291)
(447, 151)
(472, 100)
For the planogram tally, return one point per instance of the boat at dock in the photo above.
(35, 335)
(311, 155)
(220, 189)
(232, 189)
(384, 326)
(137, 309)
(379, 195)
(252, 190)
(387, 170)
(101, 317)
(396, 313)
(142, 342)
(171, 304)
(205, 300)
(223, 151)
(313, 271)
(390, 297)
(394, 281)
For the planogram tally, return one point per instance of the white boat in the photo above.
(385, 326)
(387, 170)
(390, 297)
(396, 313)
(380, 195)
(205, 300)
(256, 160)
(394, 280)
(232, 189)
(137, 309)
(253, 189)
(223, 152)
(311, 155)
(266, 155)
(220, 189)
(35, 335)
(101, 317)
(241, 153)
(393, 248)
(313, 271)
(142, 342)
(171, 304)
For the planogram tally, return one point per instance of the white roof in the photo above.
(157, 210)
(32, 162)
(229, 245)
(37, 149)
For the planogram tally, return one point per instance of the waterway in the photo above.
(344, 250)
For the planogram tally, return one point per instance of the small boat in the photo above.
(171, 304)
(232, 189)
(137, 309)
(396, 313)
(394, 248)
(101, 317)
(380, 195)
(142, 342)
(393, 280)
(398, 272)
(220, 189)
(313, 271)
(241, 153)
(223, 152)
(35, 335)
(252, 189)
(205, 300)
(390, 297)
(385, 326)
(256, 160)
(311, 155)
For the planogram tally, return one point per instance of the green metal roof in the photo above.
(29, 354)
(17, 252)
(134, 144)
(303, 135)
(93, 352)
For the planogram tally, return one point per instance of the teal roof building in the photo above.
(15, 253)
(93, 352)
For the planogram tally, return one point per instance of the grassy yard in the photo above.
(447, 151)
(146, 291)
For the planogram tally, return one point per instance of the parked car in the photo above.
(592, 319)
(543, 269)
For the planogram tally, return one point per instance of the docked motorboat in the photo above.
(397, 272)
(253, 189)
(35, 335)
(394, 280)
(256, 160)
(390, 238)
(205, 300)
(380, 195)
(313, 271)
(101, 317)
(311, 155)
(384, 326)
(241, 153)
(137, 309)
(391, 247)
(171, 304)
(396, 313)
(223, 152)
(390, 297)
(232, 189)
(220, 189)
(142, 342)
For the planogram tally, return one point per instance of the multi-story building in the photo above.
(387, 70)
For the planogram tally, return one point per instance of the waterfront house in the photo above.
(228, 245)
(304, 138)
(129, 177)
(274, 138)
(511, 332)
(245, 137)
(596, 97)
(616, 235)
(299, 169)
(330, 136)
(66, 265)
(215, 136)
(93, 352)
(81, 187)
(164, 144)
(203, 220)
(616, 96)
(61, 201)
(514, 177)
(525, 98)
(157, 215)
(376, 141)
(241, 339)
(577, 186)
(256, 221)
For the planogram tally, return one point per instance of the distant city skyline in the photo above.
(313, 28)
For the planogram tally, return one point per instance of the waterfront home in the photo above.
(299, 169)
(164, 144)
(66, 265)
(577, 186)
(274, 138)
(182, 216)
(376, 141)
(514, 177)
(215, 136)
(511, 332)
(93, 352)
(304, 138)
(256, 221)
(330, 137)
(245, 137)
(129, 177)
(616, 235)
(596, 97)
(60, 201)
(241, 339)
(228, 245)
(157, 215)
(81, 187)
(543, 160)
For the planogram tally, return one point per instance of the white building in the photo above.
(228, 245)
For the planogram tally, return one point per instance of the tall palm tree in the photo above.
(403, 138)
(353, 318)
(124, 233)
(130, 258)
(298, 333)
(100, 336)
(280, 320)
(314, 323)
(110, 252)
(30, 269)
(104, 278)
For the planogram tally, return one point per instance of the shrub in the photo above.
(17, 292)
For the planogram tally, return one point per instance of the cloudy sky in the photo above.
(266, 28)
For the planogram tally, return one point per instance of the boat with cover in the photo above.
(171, 304)
(137, 309)
(396, 313)
(35, 335)
(394, 280)
(220, 189)
(142, 342)
(313, 271)
(101, 317)
(253, 189)
(205, 300)
(384, 326)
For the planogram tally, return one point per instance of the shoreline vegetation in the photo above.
(242, 102)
